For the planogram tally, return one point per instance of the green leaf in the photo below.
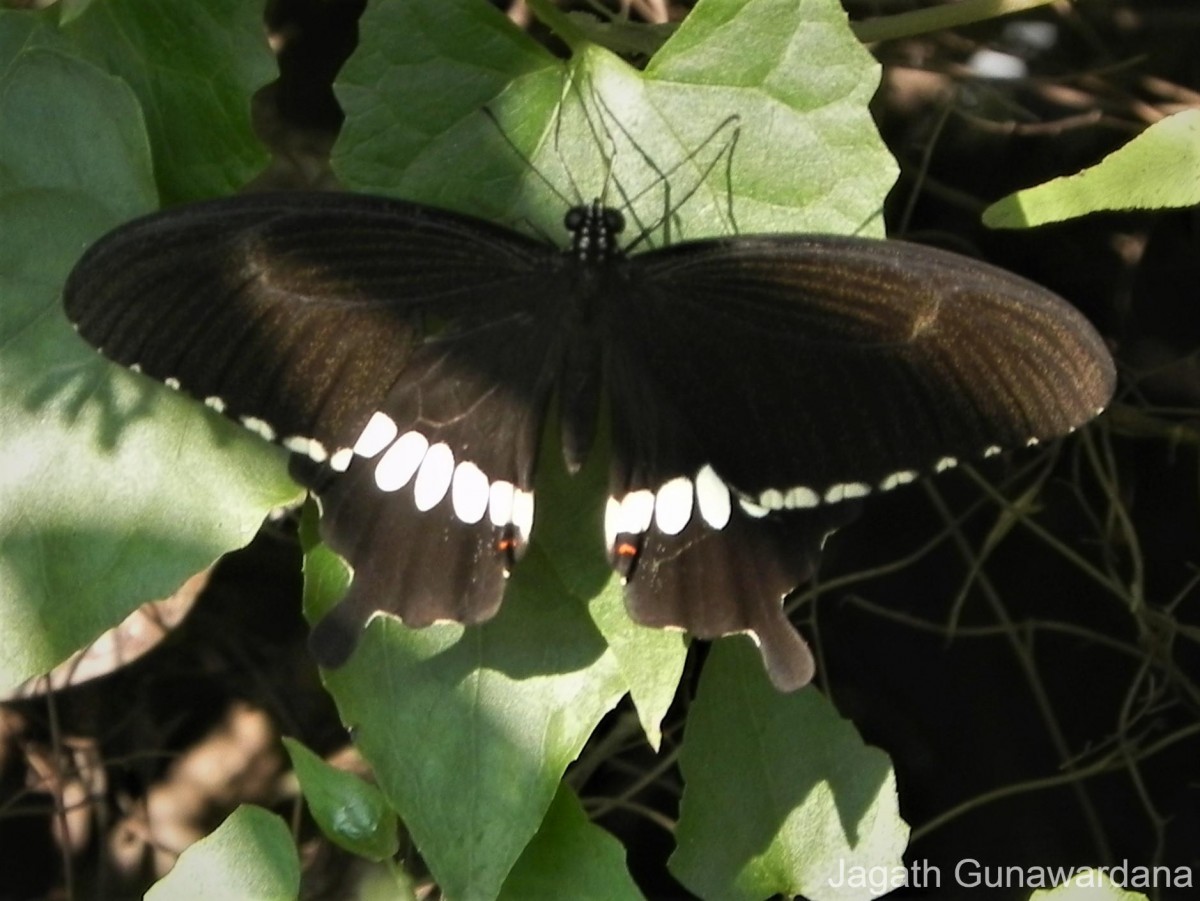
(781, 795)
(350, 811)
(420, 70)
(194, 67)
(469, 729)
(570, 857)
(50, 99)
(1089, 885)
(734, 111)
(808, 158)
(250, 855)
(113, 490)
(650, 660)
(1159, 169)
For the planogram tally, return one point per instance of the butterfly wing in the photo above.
(352, 330)
(792, 374)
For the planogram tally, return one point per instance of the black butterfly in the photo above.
(407, 356)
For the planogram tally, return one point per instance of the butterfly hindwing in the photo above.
(719, 582)
(438, 503)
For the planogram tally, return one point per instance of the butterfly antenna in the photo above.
(563, 97)
(603, 137)
(520, 154)
(725, 153)
(663, 176)
(601, 134)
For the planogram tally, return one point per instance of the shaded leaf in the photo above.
(469, 729)
(650, 661)
(114, 490)
(570, 857)
(195, 90)
(1087, 885)
(781, 795)
(250, 855)
(350, 811)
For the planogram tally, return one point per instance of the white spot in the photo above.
(801, 498)
(172, 383)
(469, 493)
(673, 506)
(945, 463)
(637, 509)
(133, 367)
(215, 403)
(772, 499)
(434, 476)
(500, 503)
(712, 497)
(308, 447)
(1032, 442)
(339, 460)
(751, 508)
(846, 491)
(401, 460)
(612, 518)
(380, 431)
(522, 513)
(259, 427)
(991, 450)
(896, 479)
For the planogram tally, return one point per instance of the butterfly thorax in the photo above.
(593, 267)
(594, 230)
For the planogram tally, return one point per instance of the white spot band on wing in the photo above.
(434, 477)
(398, 464)
(522, 513)
(259, 427)
(379, 432)
(673, 505)
(637, 509)
(712, 497)
(469, 493)
(500, 502)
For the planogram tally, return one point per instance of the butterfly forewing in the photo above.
(365, 335)
(812, 369)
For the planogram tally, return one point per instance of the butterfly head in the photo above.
(594, 229)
